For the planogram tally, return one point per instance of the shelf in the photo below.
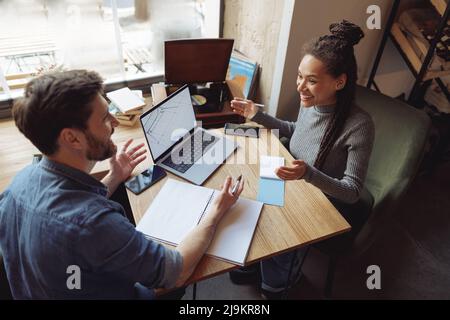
(422, 72)
(440, 6)
(411, 55)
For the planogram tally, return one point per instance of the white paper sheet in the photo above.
(268, 165)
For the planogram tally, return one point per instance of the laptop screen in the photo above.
(168, 121)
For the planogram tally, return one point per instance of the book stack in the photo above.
(126, 105)
(244, 72)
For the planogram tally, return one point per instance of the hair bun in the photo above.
(347, 31)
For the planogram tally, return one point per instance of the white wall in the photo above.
(255, 25)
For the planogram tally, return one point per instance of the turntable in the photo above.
(203, 64)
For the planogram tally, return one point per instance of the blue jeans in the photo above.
(275, 271)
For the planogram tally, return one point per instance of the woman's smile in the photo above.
(306, 96)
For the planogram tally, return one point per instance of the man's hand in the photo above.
(195, 244)
(123, 163)
(224, 201)
(295, 172)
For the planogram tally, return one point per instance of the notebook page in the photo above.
(267, 166)
(175, 211)
(235, 231)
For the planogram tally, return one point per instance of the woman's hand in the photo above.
(243, 107)
(123, 163)
(295, 172)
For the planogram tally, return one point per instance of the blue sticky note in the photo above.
(271, 191)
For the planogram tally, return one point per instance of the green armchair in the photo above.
(401, 133)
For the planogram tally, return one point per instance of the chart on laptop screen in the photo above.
(168, 122)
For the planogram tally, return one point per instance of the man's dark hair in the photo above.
(53, 102)
(336, 52)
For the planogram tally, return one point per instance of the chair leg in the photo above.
(286, 288)
(302, 261)
(194, 291)
(5, 290)
(330, 276)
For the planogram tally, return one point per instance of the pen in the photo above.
(234, 189)
(259, 105)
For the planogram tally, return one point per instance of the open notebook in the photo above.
(180, 206)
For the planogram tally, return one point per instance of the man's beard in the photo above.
(99, 150)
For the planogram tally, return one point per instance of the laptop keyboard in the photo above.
(197, 150)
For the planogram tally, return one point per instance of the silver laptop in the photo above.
(177, 144)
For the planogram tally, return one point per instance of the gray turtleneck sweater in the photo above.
(343, 173)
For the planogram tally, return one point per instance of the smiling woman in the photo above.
(331, 140)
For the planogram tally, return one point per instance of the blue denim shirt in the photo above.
(53, 216)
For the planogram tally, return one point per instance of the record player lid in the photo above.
(196, 60)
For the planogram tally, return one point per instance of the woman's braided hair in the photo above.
(336, 52)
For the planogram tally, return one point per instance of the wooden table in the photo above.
(306, 217)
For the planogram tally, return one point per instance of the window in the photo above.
(121, 39)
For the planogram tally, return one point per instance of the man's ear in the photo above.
(71, 138)
(341, 81)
